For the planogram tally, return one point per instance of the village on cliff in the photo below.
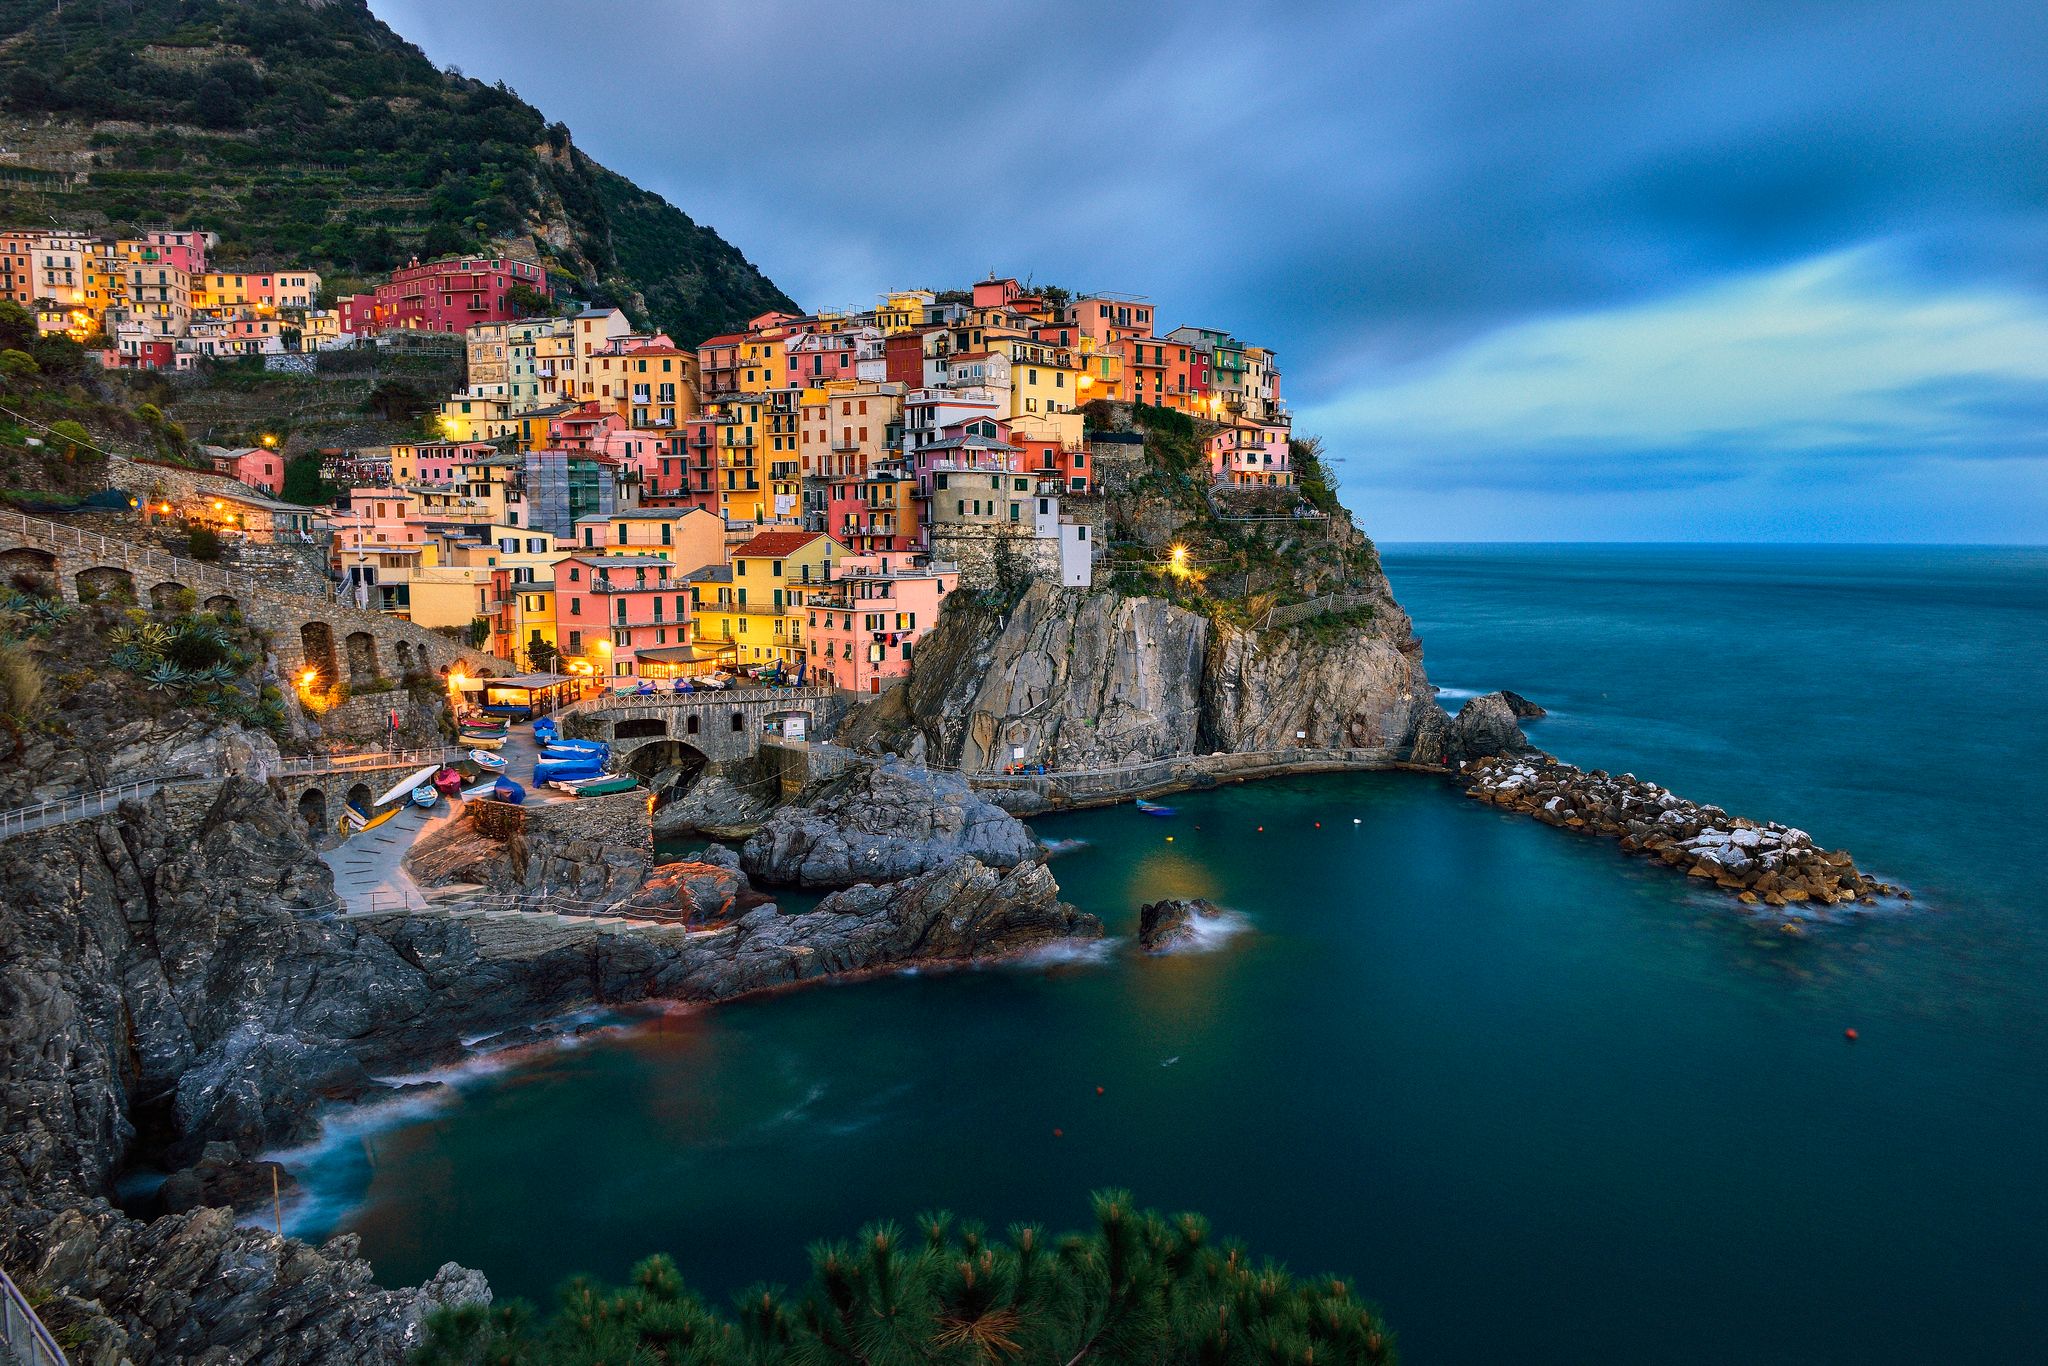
(603, 506)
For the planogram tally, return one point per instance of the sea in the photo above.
(1541, 1101)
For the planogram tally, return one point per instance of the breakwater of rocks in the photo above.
(1760, 863)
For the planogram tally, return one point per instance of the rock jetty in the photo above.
(1760, 863)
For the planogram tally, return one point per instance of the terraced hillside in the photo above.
(310, 132)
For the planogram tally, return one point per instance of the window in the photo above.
(739, 722)
(575, 607)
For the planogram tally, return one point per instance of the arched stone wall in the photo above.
(105, 583)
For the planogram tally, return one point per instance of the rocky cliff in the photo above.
(174, 978)
(1080, 679)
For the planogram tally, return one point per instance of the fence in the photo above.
(191, 573)
(21, 1332)
(1314, 607)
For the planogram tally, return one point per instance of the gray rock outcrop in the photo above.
(880, 822)
(1166, 925)
(174, 986)
(1484, 726)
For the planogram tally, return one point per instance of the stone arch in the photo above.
(316, 642)
(313, 809)
(360, 797)
(667, 766)
(106, 583)
(169, 596)
(222, 605)
(362, 656)
(640, 728)
(29, 570)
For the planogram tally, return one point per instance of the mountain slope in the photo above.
(306, 131)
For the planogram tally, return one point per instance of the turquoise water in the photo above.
(1547, 1103)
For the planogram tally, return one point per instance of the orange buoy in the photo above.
(1850, 1035)
(1098, 1090)
(1319, 825)
(1059, 1133)
(1262, 830)
(1169, 839)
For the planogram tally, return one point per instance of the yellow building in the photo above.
(755, 606)
(688, 538)
(477, 417)
(450, 595)
(742, 469)
(904, 310)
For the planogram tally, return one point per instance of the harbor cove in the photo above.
(1530, 1090)
(1297, 686)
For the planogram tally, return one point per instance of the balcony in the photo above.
(784, 469)
(658, 586)
(845, 447)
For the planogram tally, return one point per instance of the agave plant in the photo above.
(130, 658)
(214, 675)
(49, 609)
(164, 676)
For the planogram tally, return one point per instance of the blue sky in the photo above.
(1634, 270)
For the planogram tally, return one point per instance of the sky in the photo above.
(1610, 270)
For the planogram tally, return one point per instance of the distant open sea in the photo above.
(1546, 1103)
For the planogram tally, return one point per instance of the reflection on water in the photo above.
(1500, 1075)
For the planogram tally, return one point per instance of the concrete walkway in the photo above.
(369, 866)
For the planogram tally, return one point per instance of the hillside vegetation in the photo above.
(313, 134)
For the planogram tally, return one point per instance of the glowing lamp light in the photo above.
(309, 678)
(269, 440)
(164, 508)
(218, 505)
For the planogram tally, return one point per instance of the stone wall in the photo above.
(589, 849)
(985, 554)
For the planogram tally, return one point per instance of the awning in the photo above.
(523, 682)
(677, 654)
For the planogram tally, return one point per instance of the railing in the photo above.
(21, 1332)
(188, 572)
(85, 805)
(64, 810)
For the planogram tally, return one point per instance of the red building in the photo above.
(444, 296)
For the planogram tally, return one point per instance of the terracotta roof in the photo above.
(777, 544)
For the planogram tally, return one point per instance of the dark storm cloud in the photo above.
(1367, 187)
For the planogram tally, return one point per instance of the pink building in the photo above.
(1250, 453)
(255, 466)
(979, 443)
(608, 608)
(444, 296)
(864, 627)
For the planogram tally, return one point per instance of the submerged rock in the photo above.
(1166, 925)
(880, 822)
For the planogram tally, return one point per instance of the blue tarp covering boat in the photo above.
(505, 790)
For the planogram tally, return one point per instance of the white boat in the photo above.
(405, 786)
(482, 789)
(483, 758)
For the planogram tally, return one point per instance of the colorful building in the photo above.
(610, 607)
(452, 295)
(861, 630)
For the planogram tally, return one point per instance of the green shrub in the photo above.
(203, 543)
(18, 364)
(1137, 1288)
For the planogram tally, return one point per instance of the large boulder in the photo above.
(882, 822)
(1484, 726)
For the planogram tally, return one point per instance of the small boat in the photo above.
(483, 758)
(562, 749)
(505, 790)
(448, 780)
(355, 822)
(604, 786)
(1153, 808)
(554, 770)
(425, 795)
(545, 727)
(483, 733)
(482, 789)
